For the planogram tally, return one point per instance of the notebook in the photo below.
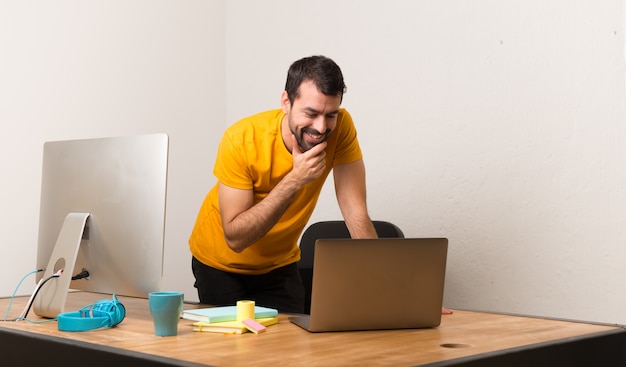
(224, 313)
(373, 284)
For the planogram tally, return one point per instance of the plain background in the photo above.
(499, 124)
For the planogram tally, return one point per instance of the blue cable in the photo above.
(16, 289)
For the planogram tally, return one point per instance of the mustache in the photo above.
(312, 131)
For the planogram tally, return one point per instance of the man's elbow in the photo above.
(235, 245)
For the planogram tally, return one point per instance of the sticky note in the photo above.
(253, 326)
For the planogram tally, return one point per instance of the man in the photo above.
(270, 169)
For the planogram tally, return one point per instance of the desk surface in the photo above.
(461, 335)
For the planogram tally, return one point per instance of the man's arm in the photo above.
(351, 196)
(245, 222)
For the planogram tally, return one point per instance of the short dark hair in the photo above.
(324, 72)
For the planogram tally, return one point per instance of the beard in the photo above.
(303, 143)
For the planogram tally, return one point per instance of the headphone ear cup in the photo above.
(113, 309)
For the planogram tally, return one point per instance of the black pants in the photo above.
(280, 288)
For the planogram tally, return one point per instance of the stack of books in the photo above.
(224, 319)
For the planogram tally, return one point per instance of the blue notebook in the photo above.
(225, 313)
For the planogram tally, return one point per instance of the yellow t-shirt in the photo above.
(253, 156)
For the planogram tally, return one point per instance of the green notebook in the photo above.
(225, 313)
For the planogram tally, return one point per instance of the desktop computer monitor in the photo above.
(102, 210)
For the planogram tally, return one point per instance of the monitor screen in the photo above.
(102, 210)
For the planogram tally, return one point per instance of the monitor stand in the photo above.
(50, 300)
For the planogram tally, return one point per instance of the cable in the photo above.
(82, 275)
(32, 298)
(38, 322)
(17, 288)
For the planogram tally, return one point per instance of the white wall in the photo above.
(498, 124)
(82, 69)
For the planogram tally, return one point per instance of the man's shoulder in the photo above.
(344, 120)
(258, 120)
(258, 127)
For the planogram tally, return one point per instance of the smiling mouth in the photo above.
(315, 135)
(312, 138)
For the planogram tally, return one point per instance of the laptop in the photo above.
(374, 284)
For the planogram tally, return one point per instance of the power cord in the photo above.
(82, 275)
(16, 289)
(32, 298)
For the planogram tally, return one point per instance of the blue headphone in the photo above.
(103, 313)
